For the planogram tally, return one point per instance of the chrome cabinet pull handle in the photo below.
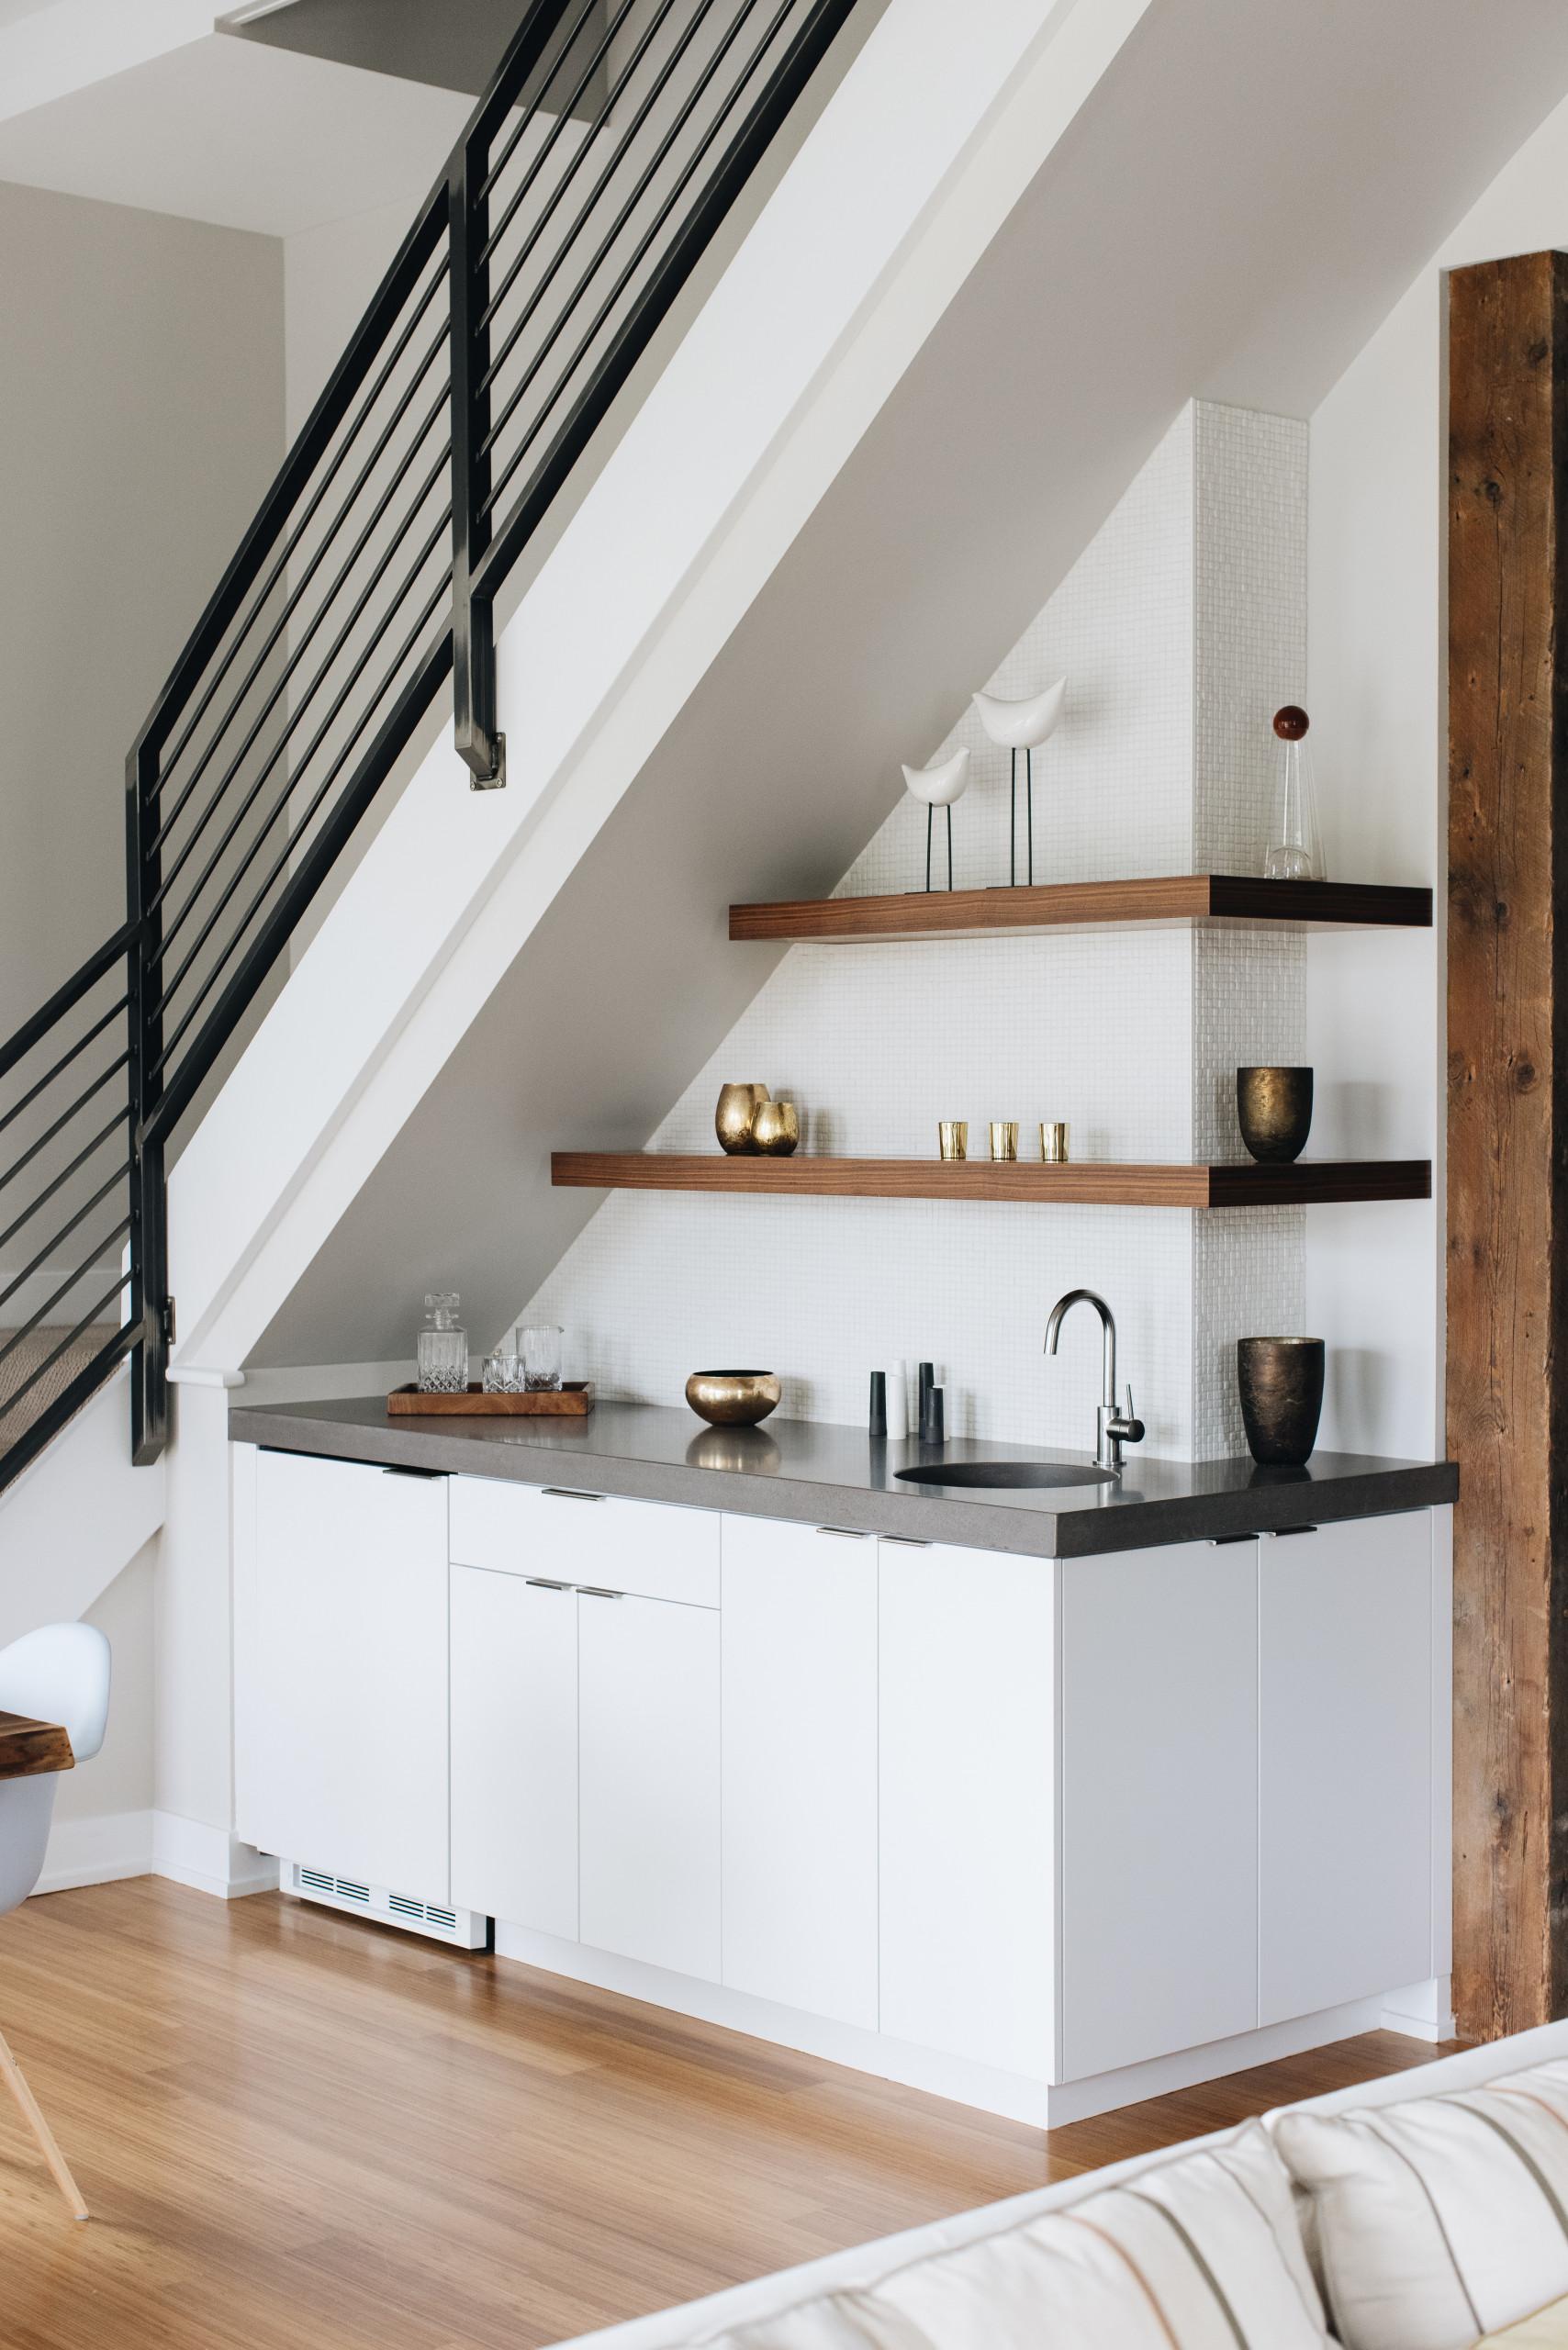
(904, 1541)
(844, 1533)
(1221, 1541)
(597, 1591)
(568, 1494)
(425, 1473)
(1283, 1533)
(542, 1582)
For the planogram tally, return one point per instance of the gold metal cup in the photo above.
(1004, 1137)
(1053, 1142)
(738, 1105)
(775, 1128)
(953, 1137)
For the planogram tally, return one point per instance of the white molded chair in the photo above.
(59, 1674)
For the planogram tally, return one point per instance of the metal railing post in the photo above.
(479, 743)
(151, 1310)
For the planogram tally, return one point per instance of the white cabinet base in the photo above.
(1010, 2095)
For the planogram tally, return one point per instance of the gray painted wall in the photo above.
(141, 409)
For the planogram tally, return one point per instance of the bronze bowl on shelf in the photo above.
(733, 1399)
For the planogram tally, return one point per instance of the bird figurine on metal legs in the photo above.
(938, 787)
(1022, 726)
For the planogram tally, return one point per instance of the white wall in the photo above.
(1181, 629)
(1376, 1029)
(120, 1778)
(141, 393)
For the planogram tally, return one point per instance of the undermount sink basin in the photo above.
(996, 1474)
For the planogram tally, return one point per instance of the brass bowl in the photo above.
(738, 1105)
(775, 1128)
(733, 1399)
(1274, 1108)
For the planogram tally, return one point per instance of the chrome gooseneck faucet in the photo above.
(1113, 1428)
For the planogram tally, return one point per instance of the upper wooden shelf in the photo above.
(1086, 1183)
(1206, 898)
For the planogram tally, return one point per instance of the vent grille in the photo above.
(463, 1928)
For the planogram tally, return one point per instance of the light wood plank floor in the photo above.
(296, 2130)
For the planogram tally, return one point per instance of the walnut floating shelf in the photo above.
(1084, 1182)
(1183, 898)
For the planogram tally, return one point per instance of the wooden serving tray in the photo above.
(569, 1401)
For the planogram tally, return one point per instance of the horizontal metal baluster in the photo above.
(288, 847)
(65, 1345)
(600, 187)
(563, 113)
(171, 759)
(418, 248)
(489, 249)
(120, 1175)
(49, 1016)
(394, 489)
(40, 1320)
(642, 245)
(304, 762)
(167, 822)
(65, 1406)
(391, 739)
(670, 273)
(49, 1133)
(120, 1118)
(64, 1063)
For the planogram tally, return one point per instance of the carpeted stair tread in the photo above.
(18, 1368)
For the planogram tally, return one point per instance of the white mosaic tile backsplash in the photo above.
(1133, 1036)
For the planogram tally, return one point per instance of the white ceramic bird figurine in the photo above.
(938, 787)
(1022, 726)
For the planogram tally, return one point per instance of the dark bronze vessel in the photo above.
(1274, 1107)
(1282, 1397)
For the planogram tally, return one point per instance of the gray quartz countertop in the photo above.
(822, 1475)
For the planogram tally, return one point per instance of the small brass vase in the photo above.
(738, 1106)
(1053, 1142)
(1274, 1107)
(1280, 1382)
(775, 1128)
(1005, 1138)
(953, 1137)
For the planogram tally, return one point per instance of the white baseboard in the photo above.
(959, 2077)
(1422, 2010)
(97, 1850)
(101, 1851)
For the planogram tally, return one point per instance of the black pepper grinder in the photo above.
(877, 1417)
(930, 1420)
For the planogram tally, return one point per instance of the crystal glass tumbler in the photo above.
(503, 1373)
(539, 1348)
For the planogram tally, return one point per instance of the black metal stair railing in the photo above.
(610, 147)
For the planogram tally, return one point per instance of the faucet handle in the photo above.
(1125, 1427)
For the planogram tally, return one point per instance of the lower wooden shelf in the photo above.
(1086, 1182)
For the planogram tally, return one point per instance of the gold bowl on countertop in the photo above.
(733, 1399)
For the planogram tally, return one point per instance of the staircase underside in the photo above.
(18, 1367)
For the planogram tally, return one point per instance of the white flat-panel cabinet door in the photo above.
(1345, 1642)
(340, 1670)
(1159, 1802)
(514, 1750)
(649, 1762)
(967, 1804)
(799, 1767)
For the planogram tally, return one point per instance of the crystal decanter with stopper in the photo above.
(1295, 848)
(443, 1346)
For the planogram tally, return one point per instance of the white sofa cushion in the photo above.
(1436, 2221)
(1200, 2252)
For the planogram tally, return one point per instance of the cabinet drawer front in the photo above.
(567, 1534)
